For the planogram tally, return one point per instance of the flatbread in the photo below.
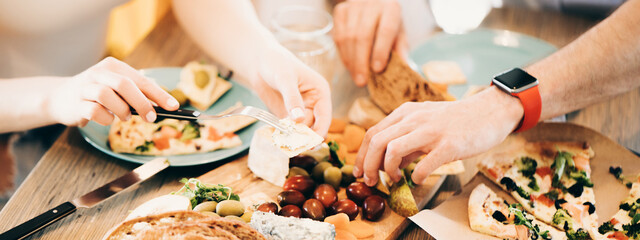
(502, 169)
(184, 225)
(484, 203)
(399, 84)
(444, 72)
(185, 231)
(139, 137)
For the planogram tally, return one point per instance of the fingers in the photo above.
(340, 31)
(109, 99)
(353, 22)
(429, 163)
(393, 118)
(96, 112)
(388, 31)
(146, 85)
(398, 149)
(128, 90)
(322, 113)
(373, 159)
(364, 38)
(292, 98)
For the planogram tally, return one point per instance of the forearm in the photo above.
(602, 63)
(229, 31)
(24, 102)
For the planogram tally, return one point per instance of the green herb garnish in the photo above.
(520, 219)
(561, 218)
(333, 152)
(578, 235)
(190, 131)
(606, 227)
(581, 177)
(527, 166)
(201, 192)
(145, 146)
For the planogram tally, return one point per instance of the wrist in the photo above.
(510, 108)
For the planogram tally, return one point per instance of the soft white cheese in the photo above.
(265, 159)
(298, 139)
(275, 227)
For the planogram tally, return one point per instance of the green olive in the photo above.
(333, 176)
(347, 174)
(209, 206)
(409, 169)
(180, 96)
(235, 218)
(201, 78)
(230, 207)
(247, 216)
(318, 171)
(211, 214)
(293, 171)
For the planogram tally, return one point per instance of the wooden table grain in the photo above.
(73, 167)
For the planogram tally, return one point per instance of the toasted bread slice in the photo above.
(240, 229)
(132, 228)
(399, 84)
(186, 231)
(195, 225)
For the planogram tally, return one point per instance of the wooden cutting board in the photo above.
(237, 175)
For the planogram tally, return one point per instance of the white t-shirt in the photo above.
(44, 37)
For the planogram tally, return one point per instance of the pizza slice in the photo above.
(625, 224)
(552, 181)
(492, 215)
(175, 137)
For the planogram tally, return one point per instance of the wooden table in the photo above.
(72, 167)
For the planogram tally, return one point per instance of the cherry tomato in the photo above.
(268, 207)
(358, 192)
(290, 197)
(313, 209)
(300, 183)
(373, 208)
(291, 211)
(326, 194)
(345, 206)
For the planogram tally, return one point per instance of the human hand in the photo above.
(444, 131)
(104, 90)
(365, 32)
(290, 88)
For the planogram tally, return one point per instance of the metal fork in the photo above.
(249, 111)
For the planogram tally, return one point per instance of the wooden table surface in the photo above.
(72, 167)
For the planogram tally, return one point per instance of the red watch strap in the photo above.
(532, 105)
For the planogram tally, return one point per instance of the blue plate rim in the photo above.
(231, 152)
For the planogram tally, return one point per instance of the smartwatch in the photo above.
(518, 83)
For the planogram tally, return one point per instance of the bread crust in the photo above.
(188, 224)
(399, 84)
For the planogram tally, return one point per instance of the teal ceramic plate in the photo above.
(482, 54)
(96, 134)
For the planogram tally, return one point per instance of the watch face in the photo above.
(515, 79)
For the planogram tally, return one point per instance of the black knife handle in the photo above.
(35, 224)
(180, 114)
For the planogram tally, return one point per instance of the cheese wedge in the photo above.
(271, 149)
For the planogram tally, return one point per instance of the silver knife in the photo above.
(88, 200)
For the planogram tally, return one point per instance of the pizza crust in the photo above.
(503, 165)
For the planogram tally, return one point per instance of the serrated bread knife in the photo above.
(88, 200)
